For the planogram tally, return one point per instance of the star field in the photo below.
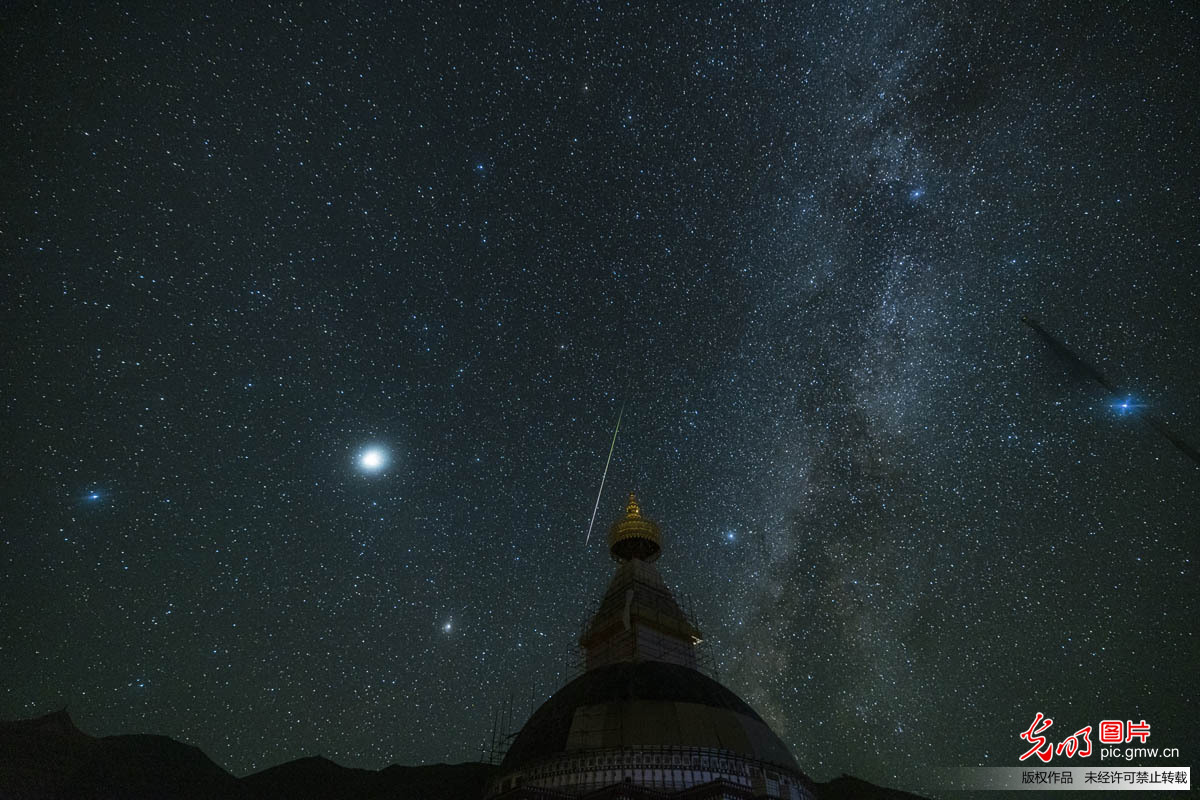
(318, 322)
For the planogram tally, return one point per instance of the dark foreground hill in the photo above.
(48, 758)
(319, 778)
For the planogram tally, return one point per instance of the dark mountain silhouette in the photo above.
(847, 787)
(48, 758)
(319, 778)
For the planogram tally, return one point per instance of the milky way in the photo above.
(243, 246)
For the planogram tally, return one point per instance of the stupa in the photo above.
(643, 721)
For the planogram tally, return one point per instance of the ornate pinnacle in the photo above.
(634, 536)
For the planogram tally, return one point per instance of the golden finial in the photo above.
(634, 536)
(633, 509)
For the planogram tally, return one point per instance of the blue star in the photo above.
(1126, 406)
(916, 194)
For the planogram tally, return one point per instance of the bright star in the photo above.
(373, 459)
(448, 627)
(1126, 406)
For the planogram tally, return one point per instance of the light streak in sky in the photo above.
(605, 475)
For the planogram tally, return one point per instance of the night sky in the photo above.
(242, 246)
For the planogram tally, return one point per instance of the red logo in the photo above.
(1141, 730)
(1037, 741)
(1070, 747)
(1112, 731)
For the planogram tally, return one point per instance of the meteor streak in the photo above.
(605, 475)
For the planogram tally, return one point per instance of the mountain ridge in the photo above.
(50, 758)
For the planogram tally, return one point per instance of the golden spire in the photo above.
(634, 536)
(633, 509)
